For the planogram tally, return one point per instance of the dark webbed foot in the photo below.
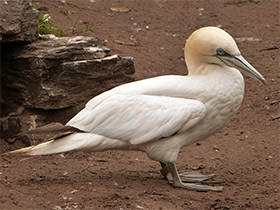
(194, 176)
(178, 180)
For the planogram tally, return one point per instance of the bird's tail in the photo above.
(74, 141)
(51, 128)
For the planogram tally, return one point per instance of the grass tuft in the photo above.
(46, 27)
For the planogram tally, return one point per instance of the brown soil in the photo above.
(244, 155)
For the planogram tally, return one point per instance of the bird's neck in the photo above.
(217, 73)
(224, 82)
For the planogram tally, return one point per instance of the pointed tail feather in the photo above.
(51, 128)
(75, 141)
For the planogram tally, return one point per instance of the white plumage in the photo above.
(163, 114)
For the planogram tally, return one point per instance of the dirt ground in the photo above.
(244, 155)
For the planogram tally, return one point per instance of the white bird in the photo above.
(163, 114)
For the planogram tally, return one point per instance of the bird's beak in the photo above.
(237, 61)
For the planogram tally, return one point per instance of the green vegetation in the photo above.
(87, 27)
(46, 27)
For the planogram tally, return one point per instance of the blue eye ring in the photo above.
(220, 51)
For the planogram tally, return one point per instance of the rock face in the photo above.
(18, 21)
(45, 79)
(63, 72)
(49, 79)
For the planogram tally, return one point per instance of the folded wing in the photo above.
(138, 119)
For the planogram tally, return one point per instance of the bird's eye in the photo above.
(220, 51)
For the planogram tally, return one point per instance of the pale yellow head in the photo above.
(213, 46)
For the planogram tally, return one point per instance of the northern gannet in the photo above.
(161, 115)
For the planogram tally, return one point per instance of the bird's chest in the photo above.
(221, 105)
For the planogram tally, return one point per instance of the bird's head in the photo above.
(212, 45)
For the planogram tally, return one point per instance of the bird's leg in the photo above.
(165, 171)
(190, 186)
(192, 176)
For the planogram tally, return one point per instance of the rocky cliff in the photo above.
(46, 78)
